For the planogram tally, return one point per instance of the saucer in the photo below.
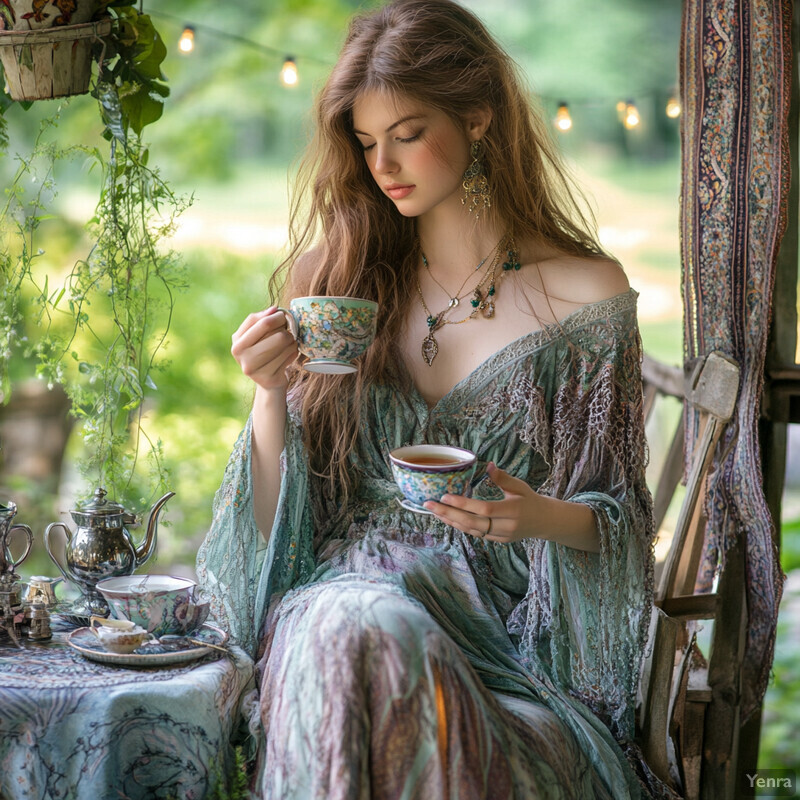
(329, 366)
(409, 506)
(150, 654)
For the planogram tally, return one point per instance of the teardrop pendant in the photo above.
(430, 347)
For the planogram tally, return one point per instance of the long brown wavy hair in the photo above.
(354, 240)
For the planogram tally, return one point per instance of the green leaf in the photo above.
(141, 109)
(5, 102)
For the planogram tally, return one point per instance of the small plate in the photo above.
(88, 645)
(329, 366)
(409, 506)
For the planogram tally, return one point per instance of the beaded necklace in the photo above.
(484, 303)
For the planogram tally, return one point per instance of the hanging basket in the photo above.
(55, 62)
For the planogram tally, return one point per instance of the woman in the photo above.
(490, 648)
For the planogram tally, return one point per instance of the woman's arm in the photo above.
(263, 347)
(521, 514)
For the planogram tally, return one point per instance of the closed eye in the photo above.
(417, 135)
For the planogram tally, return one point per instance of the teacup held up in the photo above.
(331, 331)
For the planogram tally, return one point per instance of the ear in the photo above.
(477, 122)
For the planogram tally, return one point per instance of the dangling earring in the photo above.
(476, 187)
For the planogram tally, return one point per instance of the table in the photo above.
(74, 729)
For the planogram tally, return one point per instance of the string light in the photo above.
(186, 42)
(289, 76)
(627, 111)
(631, 118)
(563, 120)
(673, 109)
(289, 72)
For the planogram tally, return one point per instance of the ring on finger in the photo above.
(489, 529)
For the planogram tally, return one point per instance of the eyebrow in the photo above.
(393, 125)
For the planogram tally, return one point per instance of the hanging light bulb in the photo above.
(186, 42)
(563, 120)
(673, 107)
(289, 76)
(631, 118)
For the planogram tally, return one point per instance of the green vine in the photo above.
(104, 327)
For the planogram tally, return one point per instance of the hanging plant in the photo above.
(103, 328)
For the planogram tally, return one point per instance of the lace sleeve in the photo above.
(239, 573)
(585, 616)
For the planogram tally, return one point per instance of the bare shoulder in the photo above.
(579, 280)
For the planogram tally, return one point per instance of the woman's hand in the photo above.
(522, 514)
(263, 347)
(507, 520)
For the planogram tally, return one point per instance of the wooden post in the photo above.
(782, 398)
(720, 771)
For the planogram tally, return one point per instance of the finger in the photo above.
(508, 483)
(481, 508)
(268, 357)
(252, 319)
(262, 334)
(474, 524)
(260, 323)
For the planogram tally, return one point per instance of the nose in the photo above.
(385, 163)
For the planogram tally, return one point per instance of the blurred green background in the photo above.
(228, 139)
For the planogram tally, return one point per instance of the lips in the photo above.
(398, 191)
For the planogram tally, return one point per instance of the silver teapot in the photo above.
(102, 547)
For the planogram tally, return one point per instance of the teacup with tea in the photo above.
(332, 331)
(428, 471)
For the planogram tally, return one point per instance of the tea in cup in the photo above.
(118, 635)
(331, 331)
(428, 471)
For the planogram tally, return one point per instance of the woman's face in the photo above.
(416, 154)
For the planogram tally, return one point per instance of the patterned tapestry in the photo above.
(735, 84)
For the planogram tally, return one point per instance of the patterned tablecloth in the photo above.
(74, 729)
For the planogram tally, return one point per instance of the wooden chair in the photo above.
(685, 742)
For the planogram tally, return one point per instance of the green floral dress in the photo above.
(400, 658)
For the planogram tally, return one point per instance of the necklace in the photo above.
(480, 302)
(457, 297)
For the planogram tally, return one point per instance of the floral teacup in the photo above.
(427, 471)
(331, 331)
(158, 603)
